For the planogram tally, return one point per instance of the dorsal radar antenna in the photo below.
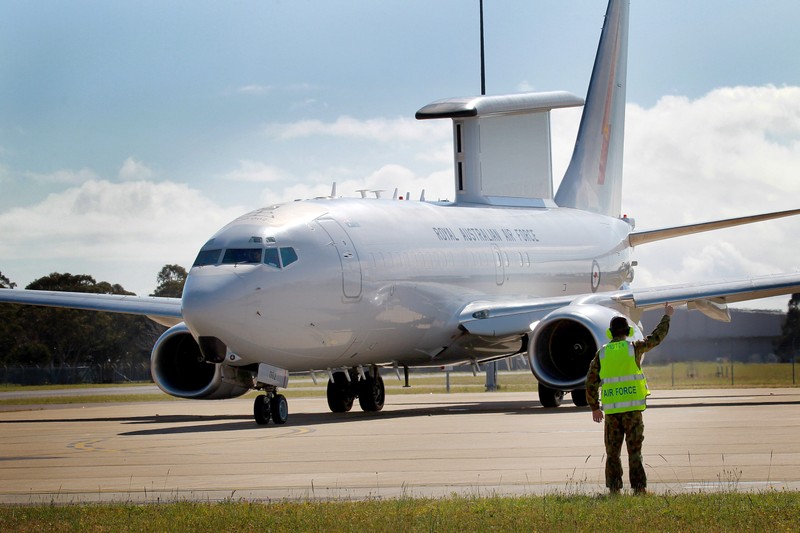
(333, 190)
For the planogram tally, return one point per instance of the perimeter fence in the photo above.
(69, 375)
(659, 376)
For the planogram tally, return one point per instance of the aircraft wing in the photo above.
(496, 319)
(642, 237)
(711, 298)
(165, 311)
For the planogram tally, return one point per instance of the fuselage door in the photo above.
(351, 266)
(499, 265)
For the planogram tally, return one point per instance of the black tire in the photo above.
(279, 408)
(340, 394)
(579, 397)
(550, 397)
(261, 410)
(371, 393)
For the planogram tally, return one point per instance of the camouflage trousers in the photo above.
(630, 427)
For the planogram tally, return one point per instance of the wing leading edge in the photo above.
(165, 311)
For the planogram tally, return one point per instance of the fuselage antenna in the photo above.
(483, 59)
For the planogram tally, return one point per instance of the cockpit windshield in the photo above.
(207, 257)
(241, 255)
(274, 257)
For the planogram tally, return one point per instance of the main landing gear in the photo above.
(270, 405)
(552, 398)
(343, 389)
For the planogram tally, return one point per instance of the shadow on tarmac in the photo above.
(183, 424)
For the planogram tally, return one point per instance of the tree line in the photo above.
(50, 336)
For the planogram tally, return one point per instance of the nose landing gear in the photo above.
(270, 405)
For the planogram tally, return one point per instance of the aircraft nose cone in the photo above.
(212, 302)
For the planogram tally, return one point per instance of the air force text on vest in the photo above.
(623, 390)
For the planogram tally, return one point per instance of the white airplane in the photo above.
(346, 286)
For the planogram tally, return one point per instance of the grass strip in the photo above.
(768, 511)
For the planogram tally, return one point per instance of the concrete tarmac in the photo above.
(431, 445)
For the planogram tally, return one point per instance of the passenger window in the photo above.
(288, 256)
(271, 257)
(207, 257)
(241, 255)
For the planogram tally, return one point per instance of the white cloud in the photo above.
(525, 86)
(254, 89)
(378, 129)
(69, 177)
(127, 230)
(733, 152)
(304, 104)
(256, 172)
(443, 154)
(133, 170)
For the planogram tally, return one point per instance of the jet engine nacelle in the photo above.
(564, 342)
(178, 369)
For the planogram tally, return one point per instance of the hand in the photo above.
(668, 309)
(597, 415)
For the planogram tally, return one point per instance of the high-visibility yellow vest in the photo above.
(623, 385)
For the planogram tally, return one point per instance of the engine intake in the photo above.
(564, 342)
(178, 368)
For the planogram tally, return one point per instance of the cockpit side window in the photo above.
(280, 257)
(241, 255)
(288, 256)
(207, 257)
(271, 257)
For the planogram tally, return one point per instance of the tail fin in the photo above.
(593, 181)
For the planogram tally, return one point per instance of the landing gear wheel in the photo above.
(550, 397)
(279, 408)
(371, 393)
(340, 394)
(261, 410)
(579, 397)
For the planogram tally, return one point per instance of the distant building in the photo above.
(750, 336)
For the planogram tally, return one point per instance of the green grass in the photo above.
(720, 375)
(93, 398)
(768, 511)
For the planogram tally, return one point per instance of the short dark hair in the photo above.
(619, 326)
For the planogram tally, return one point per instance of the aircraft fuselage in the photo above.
(368, 281)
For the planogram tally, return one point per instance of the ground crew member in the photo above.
(617, 371)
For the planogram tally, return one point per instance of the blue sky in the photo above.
(131, 131)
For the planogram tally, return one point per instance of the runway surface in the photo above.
(419, 445)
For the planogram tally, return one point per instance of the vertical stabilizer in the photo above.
(593, 181)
